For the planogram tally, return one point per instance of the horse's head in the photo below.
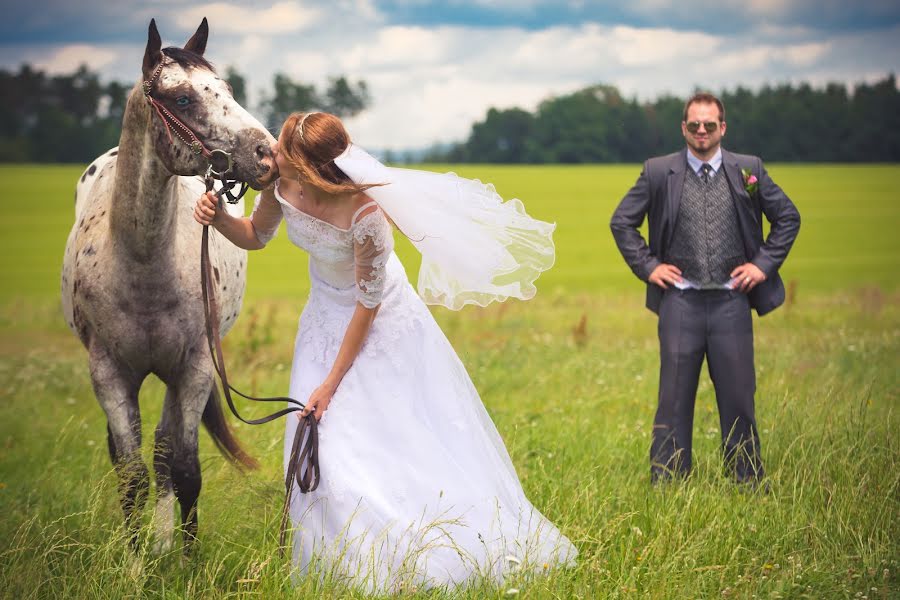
(185, 85)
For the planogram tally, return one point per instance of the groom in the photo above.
(706, 266)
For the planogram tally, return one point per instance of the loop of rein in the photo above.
(303, 466)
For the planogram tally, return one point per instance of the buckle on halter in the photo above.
(220, 158)
(196, 147)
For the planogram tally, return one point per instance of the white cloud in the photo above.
(767, 8)
(66, 59)
(636, 47)
(509, 6)
(803, 55)
(362, 9)
(253, 47)
(283, 17)
(396, 47)
(307, 66)
(429, 84)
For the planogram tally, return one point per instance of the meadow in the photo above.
(570, 380)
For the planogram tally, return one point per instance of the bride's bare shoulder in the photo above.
(362, 206)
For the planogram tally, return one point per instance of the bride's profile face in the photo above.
(285, 168)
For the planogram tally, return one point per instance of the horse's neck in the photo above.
(142, 217)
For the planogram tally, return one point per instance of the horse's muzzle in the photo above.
(253, 160)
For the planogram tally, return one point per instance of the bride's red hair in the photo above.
(311, 142)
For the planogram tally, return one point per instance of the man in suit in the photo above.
(706, 266)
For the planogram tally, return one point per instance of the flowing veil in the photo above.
(475, 247)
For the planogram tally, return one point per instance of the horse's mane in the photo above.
(188, 59)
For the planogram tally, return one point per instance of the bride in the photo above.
(417, 486)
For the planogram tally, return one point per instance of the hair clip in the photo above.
(300, 125)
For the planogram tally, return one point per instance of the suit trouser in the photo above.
(715, 324)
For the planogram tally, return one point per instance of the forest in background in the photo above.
(783, 123)
(76, 117)
(73, 118)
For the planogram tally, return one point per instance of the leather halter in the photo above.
(184, 133)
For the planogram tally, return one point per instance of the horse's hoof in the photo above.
(134, 567)
(164, 524)
(161, 547)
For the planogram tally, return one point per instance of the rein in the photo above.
(303, 466)
(304, 462)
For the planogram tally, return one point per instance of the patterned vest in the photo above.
(707, 243)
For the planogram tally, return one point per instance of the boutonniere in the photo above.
(751, 183)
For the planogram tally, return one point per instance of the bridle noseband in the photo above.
(184, 133)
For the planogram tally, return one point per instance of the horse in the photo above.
(131, 275)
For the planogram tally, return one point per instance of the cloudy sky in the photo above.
(435, 67)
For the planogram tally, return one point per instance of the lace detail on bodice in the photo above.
(342, 257)
(328, 312)
(325, 243)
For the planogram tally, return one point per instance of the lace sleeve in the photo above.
(372, 245)
(266, 216)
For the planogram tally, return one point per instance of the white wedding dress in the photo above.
(416, 484)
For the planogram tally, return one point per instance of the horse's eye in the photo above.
(182, 101)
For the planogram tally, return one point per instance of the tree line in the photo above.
(75, 117)
(780, 123)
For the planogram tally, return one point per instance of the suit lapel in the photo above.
(735, 179)
(674, 188)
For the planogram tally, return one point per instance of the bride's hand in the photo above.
(206, 209)
(318, 401)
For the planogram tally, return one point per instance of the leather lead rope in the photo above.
(304, 462)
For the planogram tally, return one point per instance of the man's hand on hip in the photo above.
(746, 277)
(665, 275)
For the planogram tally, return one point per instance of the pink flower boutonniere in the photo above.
(751, 183)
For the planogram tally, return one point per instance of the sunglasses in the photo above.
(709, 126)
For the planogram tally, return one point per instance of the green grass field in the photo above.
(574, 407)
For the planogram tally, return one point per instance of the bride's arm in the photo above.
(249, 233)
(372, 245)
(356, 333)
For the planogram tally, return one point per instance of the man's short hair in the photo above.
(704, 98)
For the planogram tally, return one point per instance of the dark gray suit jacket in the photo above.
(657, 195)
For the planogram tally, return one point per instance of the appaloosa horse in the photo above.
(131, 274)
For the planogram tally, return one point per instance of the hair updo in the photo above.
(310, 142)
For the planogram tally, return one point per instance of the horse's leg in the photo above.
(117, 391)
(191, 395)
(164, 516)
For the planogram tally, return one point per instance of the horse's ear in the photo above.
(197, 43)
(152, 54)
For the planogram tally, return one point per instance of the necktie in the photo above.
(704, 172)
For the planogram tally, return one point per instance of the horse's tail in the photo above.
(223, 437)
